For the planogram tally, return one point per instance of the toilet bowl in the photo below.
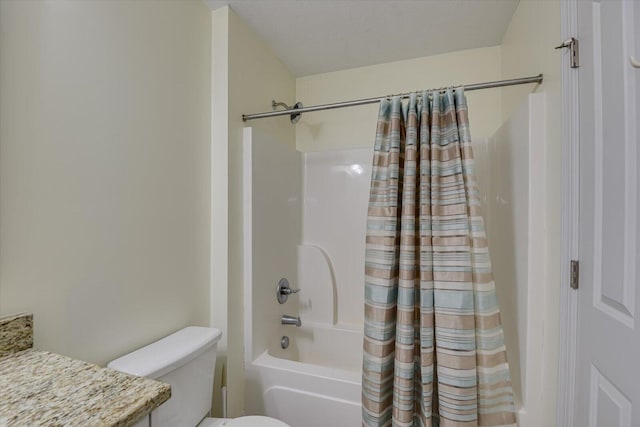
(249, 421)
(185, 359)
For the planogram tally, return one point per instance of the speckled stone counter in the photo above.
(16, 333)
(38, 388)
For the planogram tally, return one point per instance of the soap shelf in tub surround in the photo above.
(16, 333)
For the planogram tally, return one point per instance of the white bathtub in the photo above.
(321, 388)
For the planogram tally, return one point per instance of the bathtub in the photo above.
(314, 383)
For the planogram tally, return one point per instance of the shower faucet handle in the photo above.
(284, 290)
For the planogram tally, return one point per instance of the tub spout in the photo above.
(291, 320)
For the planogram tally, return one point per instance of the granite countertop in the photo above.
(38, 388)
(16, 333)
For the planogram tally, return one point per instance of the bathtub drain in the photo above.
(284, 342)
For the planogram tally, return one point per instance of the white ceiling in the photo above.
(317, 36)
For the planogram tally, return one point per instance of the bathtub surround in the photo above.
(534, 27)
(309, 384)
(310, 380)
(335, 197)
(512, 198)
(16, 333)
(272, 230)
(440, 306)
(46, 389)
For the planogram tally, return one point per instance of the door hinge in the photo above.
(574, 54)
(575, 274)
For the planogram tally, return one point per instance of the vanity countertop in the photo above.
(38, 388)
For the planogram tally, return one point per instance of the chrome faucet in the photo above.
(284, 290)
(291, 320)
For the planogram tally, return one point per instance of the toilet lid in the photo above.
(256, 421)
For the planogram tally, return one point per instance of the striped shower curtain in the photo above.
(434, 351)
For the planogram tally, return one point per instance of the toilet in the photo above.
(186, 360)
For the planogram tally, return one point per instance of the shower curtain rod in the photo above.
(476, 86)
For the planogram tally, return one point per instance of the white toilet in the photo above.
(186, 360)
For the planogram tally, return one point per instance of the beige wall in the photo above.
(254, 76)
(219, 193)
(104, 171)
(355, 127)
(527, 48)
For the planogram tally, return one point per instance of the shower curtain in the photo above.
(434, 351)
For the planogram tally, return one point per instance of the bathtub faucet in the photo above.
(291, 320)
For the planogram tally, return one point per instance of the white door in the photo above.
(608, 370)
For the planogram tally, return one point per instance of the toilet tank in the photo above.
(185, 359)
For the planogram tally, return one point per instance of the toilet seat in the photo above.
(249, 421)
(255, 421)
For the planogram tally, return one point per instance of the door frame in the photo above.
(567, 357)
